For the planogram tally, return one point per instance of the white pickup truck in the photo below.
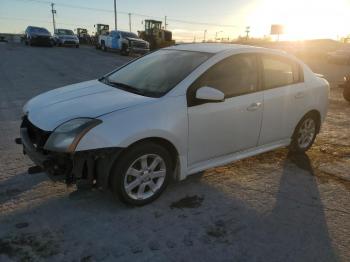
(125, 42)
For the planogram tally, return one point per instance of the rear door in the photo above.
(284, 97)
(219, 129)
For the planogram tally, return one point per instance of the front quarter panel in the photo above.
(164, 118)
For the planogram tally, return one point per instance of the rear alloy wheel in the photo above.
(142, 174)
(305, 134)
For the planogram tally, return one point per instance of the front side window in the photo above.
(234, 76)
(157, 73)
(279, 71)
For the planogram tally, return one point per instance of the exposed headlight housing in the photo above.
(66, 137)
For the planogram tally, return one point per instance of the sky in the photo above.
(188, 20)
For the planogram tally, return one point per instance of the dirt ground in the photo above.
(273, 207)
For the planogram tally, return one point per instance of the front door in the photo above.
(219, 129)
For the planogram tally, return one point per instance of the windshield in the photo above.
(39, 30)
(128, 34)
(64, 32)
(157, 73)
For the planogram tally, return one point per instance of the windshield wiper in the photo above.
(129, 88)
(124, 86)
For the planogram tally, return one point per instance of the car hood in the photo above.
(136, 39)
(86, 99)
(67, 36)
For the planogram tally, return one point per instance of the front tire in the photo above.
(124, 51)
(142, 174)
(305, 133)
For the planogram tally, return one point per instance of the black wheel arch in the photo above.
(314, 113)
(166, 144)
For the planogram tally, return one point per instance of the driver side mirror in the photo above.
(210, 94)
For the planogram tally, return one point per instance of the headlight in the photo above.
(66, 137)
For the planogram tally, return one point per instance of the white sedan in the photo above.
(173, 113)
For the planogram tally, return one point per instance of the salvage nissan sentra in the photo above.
(172, 113)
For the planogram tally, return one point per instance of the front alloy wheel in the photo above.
(145, 177)
(142, 173)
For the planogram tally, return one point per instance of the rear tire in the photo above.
(141, 174)
(103, 47)
(77, 46)
(305, 133)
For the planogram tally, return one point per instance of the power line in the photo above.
(127, 13)
(38, 21)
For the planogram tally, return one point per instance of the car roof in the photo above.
(212, 47)
(120, 31)
(36, 27)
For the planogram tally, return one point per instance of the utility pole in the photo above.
(165, 22)
(53, 11)
(115, 15)
(216, 35)
(205, 35)
(247, 30)
(130, 22)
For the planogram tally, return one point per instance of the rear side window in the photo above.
(234, 76)
(279, 71)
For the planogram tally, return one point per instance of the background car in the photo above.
(125, 42)
(37, 36)
(66, 37)
(172, 113)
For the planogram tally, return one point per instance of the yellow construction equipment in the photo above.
(156, 35)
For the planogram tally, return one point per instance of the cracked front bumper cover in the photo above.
(29, 149)
(92, 166)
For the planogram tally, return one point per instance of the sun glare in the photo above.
(302, 19)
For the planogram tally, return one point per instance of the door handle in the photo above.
(299, 95)
(254, 106)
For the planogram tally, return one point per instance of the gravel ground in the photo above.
(273, 207)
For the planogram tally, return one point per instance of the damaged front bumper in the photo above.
(90, 167)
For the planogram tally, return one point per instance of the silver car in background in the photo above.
(65, 37)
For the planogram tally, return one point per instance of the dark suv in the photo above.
(37, 36)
